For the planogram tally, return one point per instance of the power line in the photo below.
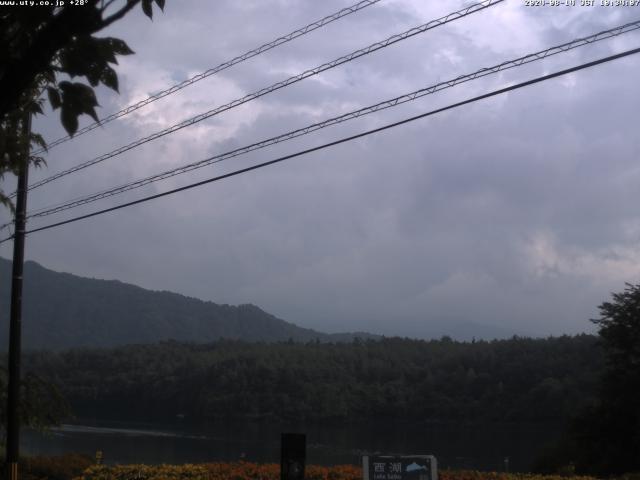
(291, 80)
(276, 86)
(606, 34)
(217, 69)
(342, 140)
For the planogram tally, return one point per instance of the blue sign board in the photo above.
(410, 467)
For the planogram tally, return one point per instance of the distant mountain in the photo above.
(467, 331)
(61, 310)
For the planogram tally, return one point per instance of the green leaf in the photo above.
(92, 113)
(80, 56)
(147, 8)
(35, 108)
(90, 57)
(77, 99)
(109, 78)
(48, 76)
(69, 120)
(38, 162)
(64, 86)
(119, 47)
(84, 94)
(93, 75)
(38, 140)
(160, 4)
(104, 48)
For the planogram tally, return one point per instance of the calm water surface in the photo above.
(475, 447)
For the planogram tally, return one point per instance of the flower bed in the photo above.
(254, 471)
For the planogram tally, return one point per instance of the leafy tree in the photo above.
(619, 328)
(41, 50)
(608, 436)
(398, 379)
(42, 403)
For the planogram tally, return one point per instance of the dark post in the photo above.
(292, 456)
(15, 325)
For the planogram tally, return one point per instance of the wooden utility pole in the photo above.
(15, 325)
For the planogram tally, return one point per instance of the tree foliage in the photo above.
(42, 51)
(41, 406)
(607, 437)
(604, 437)
(619, 329)
(517, 380)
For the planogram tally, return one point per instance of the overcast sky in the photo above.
(519, 212)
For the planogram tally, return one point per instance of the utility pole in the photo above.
(15, 325)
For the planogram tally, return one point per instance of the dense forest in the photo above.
(516, 380)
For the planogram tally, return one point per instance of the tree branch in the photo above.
(120, 13)
(108, 4)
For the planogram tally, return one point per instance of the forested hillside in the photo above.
(61, 310)
(509, 380)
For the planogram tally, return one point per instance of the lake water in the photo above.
(470, 447)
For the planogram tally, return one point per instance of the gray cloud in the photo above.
(517, 212)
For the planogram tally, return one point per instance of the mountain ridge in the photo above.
(62, 310)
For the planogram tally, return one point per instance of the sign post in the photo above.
(409, 467)
(293, 456)
(15, 320)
